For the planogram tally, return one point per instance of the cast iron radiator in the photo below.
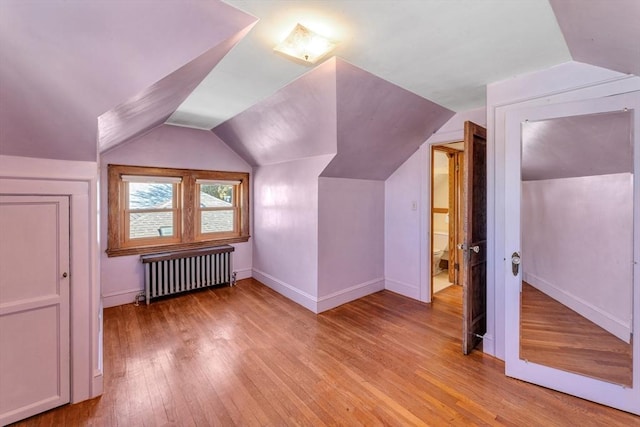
(180, 271)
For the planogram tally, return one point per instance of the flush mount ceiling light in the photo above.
(305, 45)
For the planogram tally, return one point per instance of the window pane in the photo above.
(216, 221)
(216, 195)
(143, 195)
(150, 224)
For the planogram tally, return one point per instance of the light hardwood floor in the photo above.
(248, 356)
(554, 335)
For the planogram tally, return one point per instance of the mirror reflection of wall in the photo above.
(577, 247)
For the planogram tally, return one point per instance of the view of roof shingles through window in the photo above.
(151, 196)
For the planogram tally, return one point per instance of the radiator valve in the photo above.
(140, 296)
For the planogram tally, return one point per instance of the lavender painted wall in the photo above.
(285, 243)
(402, 226)
(350, 239)
(577, 245)
(407, 246)
(164, 146)
(373, 126)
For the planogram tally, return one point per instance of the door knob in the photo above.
(64, 275)
(515, 263)
(475, 249)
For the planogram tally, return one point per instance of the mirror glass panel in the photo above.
(577, 245)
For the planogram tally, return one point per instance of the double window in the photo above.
(160, 209)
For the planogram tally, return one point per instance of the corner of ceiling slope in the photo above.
(297, 121)
(379, 124)
(154, 105)
(601, 32)
(370, 125)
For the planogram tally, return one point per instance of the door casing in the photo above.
(614, 395)
(455, 157)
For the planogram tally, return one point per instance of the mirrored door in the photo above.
(571, 188)
(576, 222)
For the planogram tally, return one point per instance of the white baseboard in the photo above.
(607, 321)
(318, 305)
(120, 298)
(125, 297)
(296, 295)
(352, 293)
(401, 288)
(489, 345)
(97, 384)
(243, 273)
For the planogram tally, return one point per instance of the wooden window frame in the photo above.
(235, 208)
(127, 242)
(187, 208)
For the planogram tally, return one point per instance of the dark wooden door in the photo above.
(473, 267)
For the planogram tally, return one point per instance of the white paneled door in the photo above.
(34, 305)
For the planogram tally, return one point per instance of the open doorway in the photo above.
(459, 217)
(446, 221)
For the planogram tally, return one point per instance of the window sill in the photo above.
(141, 250)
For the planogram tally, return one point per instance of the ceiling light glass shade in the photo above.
(305, 45)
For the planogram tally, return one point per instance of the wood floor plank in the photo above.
(248, 356)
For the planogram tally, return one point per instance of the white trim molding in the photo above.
(115, 299)
(79, 181)
(294, 294)
(352, 293)
(319, 304)
(405, 289)
(243, 273)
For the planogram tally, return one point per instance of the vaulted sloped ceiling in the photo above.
(605, 33)
(379, 125)
(154, 105)
(64, 63)
(371, 125)
(445, 51)
(297, 121)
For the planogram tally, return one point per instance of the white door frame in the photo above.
(79, 181)
(617, 396)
